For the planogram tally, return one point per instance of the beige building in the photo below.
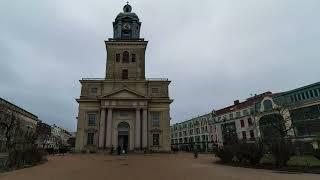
(124, 109)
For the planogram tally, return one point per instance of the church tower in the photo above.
(126, 50)
(124, 109)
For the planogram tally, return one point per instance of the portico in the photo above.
(115, 111)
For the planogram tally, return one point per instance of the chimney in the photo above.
(236, 102)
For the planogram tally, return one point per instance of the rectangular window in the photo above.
(124, 113)
(197, 131)
(307, 94)
(202, 129)
(117, 57)
(91, 119)
(311, 93)
(291, 98)
(125, 74)
(191, 131)
(90, 138)
(242, 122)
(94, 90)
(244, 135)
(251, 134)
(190, 139)
(155, 117)
(251, 110)
(299, 97)
(250, 122)
(133, 57)
(198, 139)
(184, 133)
(231, 115)
(155, 139)
(245, 112)
(185, 140)
(154, 90)
(180, 134)
(295, 98)
(316, 92)
(238, 114)
(302, 95)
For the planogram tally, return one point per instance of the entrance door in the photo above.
(123, 142)
(123, 136)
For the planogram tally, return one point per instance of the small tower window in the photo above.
(125, 57)
(133, 57)
(117, 57)
(125, 74)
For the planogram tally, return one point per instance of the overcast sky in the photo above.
(214, 51)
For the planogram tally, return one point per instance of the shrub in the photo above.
(21, 158)
(225, 154)
(281, 151)
(248, 152)
(316, 153)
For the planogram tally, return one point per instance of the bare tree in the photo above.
(10, 127)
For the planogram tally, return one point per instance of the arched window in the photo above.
(123, 126)
(125, 57)
(267, 104)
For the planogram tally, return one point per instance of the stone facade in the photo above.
(124, 109)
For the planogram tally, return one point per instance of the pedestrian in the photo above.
(195, 153)
(111, 150)
(119, 150)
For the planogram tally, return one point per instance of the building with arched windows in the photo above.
(293, 114)
(124, 109)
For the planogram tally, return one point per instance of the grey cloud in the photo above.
(213, 51)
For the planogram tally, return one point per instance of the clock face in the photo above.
(126, 26)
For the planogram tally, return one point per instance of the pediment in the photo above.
(124, 93)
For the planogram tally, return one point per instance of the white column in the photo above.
(138, 130)
(145, 128)
(102, 126)
(109, 128)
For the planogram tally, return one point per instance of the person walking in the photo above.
(195, 152)
(119, 150)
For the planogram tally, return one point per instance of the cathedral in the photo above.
(125, 109)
